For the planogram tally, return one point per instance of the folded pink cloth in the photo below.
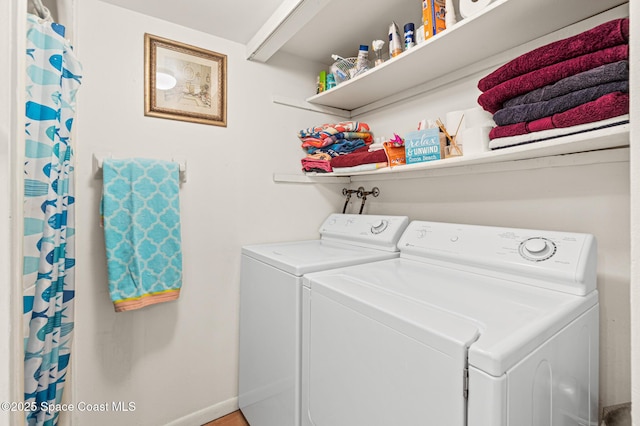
(603, 36)
(492, 99)
(358, 157)
(607, 106)
(319, 162)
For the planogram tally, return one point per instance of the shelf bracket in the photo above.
(295, 103)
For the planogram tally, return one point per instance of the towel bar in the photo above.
(98, 158)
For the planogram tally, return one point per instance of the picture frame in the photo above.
(184, 82)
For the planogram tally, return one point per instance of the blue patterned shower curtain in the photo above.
(53, 78)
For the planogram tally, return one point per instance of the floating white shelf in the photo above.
(454, 53)
(592, 147)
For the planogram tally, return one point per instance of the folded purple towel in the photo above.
(607, 106)
(530, 112)
(603, 36)
(617, 71)
(492, 99)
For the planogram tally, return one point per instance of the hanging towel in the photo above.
(141, 216)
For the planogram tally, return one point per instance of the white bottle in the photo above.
(362, 63)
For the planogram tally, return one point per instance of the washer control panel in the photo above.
(379, 226)
(367, 230)
(559, 260)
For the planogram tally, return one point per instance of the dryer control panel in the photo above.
(562, 261)
(377, 231)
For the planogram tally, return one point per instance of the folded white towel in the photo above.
(376, 146)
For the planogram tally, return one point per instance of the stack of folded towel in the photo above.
(581, 82)
(329, 141)
(360, 160)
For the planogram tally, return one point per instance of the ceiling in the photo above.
(237, 20)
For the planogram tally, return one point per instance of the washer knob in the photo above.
(535, 245)
(537, 249)
(379, 226)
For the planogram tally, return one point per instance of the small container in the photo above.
(409, 36)
(377, 50)
(453, 151)
(420, 34)
(363, 57)
(331, 81)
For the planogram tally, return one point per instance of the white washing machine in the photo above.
(471, 325)
(270, 307)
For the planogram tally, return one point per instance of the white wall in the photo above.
(180, 358)
(177, 359)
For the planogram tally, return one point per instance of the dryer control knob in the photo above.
(379, 226)
(537, 249)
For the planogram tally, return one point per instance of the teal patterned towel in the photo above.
(141, 216)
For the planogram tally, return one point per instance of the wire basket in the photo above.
(345, 68)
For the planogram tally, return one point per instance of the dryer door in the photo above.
(373, 358)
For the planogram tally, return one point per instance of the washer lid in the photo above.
(301, 257)
(500, 320)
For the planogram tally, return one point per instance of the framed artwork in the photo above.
(183, 82)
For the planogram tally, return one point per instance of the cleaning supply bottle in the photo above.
(395, 43)
(331, 81)
(409, 36)
(362, 62)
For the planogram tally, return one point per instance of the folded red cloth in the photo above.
(603, 36)
(492, 99)
(358, 157)
(607, 106)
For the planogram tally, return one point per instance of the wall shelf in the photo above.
(460, 50)
(597, 146)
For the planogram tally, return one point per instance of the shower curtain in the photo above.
(53, 78)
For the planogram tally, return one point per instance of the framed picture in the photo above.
(183, 82)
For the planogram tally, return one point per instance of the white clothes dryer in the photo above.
(270, 307)
(470, 326)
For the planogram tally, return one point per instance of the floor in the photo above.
(234, 419)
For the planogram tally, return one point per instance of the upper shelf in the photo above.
(503, 25)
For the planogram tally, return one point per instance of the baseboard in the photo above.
(207, 414)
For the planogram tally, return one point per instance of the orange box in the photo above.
(395, 154)
(439, 12)
(427, 18)
(433, 17)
